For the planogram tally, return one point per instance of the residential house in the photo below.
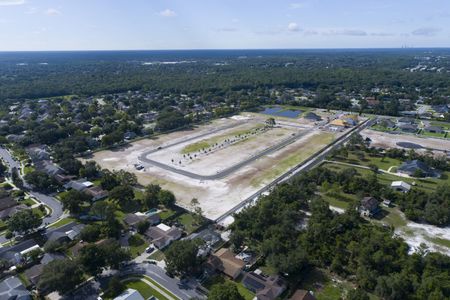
(9, 212)
(387, 123)
(132, 220)
(405, 121)
(337, 125)
(302, 295)
(15, 138)
(130, 294)
(225, 261)
(162, 235)
(409, 128)
(441, 109)
(369, 207)
(96, 192)
(78, 185)
(434, 129)
(350, 120)
(38, 153)
(11, 288)
(12, 255)
(417, 168)
(372, 102)
(7, 202)
(34, 273)
(401, 186)
(265, 287)
(49, 168)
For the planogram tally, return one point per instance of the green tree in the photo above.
(224, 291)
(61, 276)
(115, 286)
(73, 201)
(114, 254)
(166, 198)
(24, 221)
(181, 257)
(93, 259)
(151, 193)
(90, 233)
(122, 194)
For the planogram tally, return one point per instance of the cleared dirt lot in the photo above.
(218, 196)
(388, 140)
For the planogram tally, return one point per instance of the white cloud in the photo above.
(31, 11)
(293, 27)
(227, 29)
(11, 2)
(168, 13)
(52, 12)
(426, 31)
(296, 5)
(350, 32)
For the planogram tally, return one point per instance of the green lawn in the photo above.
(195, 147)
(137, 244)
(219, 279)
(324, 288)
(248, 295)
(28, 202)
(381, 128)
(166, 213)
(444, 125)
(425, 184)
(39, 212)
(432, 134)
(315, 143)
(383, 163)
(3, 225)
(28, 170)
(187, 220)
(157, 255)
(393, 217)
(62, 222)
(138, 194)
(144, 289)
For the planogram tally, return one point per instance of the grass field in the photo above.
(383, 163)
(144, 289)
(62, 222)
(432, 134)
(204, 144)
(315, 143)
(187, 221)
(166, 213)
(137, 244)
(157, 255)
(426, 184)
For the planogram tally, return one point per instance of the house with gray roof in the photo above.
(11, 288)
(417, 167)
(434, 129)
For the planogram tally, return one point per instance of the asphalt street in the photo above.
(224, 173)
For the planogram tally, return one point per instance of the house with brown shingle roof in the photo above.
(225, 261)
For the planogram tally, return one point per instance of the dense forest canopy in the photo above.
(44, 74)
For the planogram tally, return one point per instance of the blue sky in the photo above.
(222, 24)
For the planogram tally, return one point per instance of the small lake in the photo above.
(280, 112)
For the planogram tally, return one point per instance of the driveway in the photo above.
(51, 202)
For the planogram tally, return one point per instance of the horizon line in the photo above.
(234, 49)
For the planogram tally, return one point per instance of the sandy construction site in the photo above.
(222, 163)
(420, 144)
